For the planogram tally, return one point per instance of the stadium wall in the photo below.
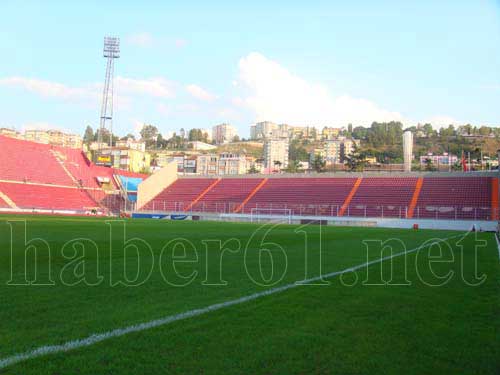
(459, 225)
(156, 183)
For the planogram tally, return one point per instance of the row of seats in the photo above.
(459, 197)
(440, 197)
(31, 162)
(179, 195)
(28, 196)
(36, 163)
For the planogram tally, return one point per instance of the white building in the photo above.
(337, 150)
(407, 150)
(224, 164)
(132, 144)
(223, 133)
(268, 129)
(276, 153)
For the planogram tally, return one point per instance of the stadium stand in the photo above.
(305, 196)
(30, 162)
(455, 198)
(227, 195)
(32, 196)
(390, 196)
(379, 196)
(179, 195)
(46, 169)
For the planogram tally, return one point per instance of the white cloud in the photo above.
(277, 94)
(200, 93)
(50, 89)
(157, 87)
(142, 39)
(147, 40)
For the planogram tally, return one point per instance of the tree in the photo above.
(356, 161)
(297, 152)
(318, 163)
(293, 167)
(160, 141)
(429, 165)
(447, 132)
(88, 136)
(196, 135)
(359, 132)
(149, 134)
(154, 160)
(252, 170)
(106, 137)
(236, 138)
(484, 131)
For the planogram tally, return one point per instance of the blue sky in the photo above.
(198, 63)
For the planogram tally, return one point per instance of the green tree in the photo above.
(447, 132)
(293, 167)
(356, 161)
(149, 134)
(88, 136)
(252, 170)
(297, 152)
(318, 163)
(429, 165)
(196, 135)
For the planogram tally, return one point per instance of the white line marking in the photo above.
(498, 245)
(98, 337)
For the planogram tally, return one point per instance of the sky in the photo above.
(194, 64)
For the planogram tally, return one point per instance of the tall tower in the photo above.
(407, 150)
(111, 52)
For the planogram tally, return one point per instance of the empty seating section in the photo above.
(36, 163)
(28, 196)
(382, 197)
(304, 196)
(227, 195)
(29, 161)
(179, 195)
(455, 197)
(440, 197)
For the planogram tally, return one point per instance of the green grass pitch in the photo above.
(433, 311)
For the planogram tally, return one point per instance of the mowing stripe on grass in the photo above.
(98, 337)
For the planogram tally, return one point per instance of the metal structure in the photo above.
(111, 52)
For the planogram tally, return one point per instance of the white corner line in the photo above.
(99, 337)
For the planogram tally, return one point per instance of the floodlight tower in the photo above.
(111, 52)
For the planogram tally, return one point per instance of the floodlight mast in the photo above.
(111, 52)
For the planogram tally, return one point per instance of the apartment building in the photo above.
(223, 133)
(276, 153)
